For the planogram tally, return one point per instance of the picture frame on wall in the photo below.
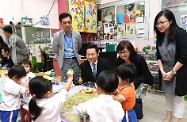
(26, 21)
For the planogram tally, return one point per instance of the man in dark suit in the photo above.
(93, 65)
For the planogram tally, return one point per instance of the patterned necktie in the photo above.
(94, 70)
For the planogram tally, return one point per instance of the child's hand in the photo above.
(70, 75)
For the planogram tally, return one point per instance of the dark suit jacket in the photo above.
(180, 56)
(143, 74)
(86, 70)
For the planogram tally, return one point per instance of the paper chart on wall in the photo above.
(106, 28)
(76, 9)
(91, 17)
(37, 35)
(130, 29)
(120, 31)
(140, 28)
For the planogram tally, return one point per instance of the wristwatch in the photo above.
(174, 72)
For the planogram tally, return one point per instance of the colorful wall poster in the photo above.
(76, 9)
(131, 17)
(108, 14)
(91, 17)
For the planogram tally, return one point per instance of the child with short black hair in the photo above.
(11, 94)
(126, 91)
(29, 75)
(104, 108)
(44, 106)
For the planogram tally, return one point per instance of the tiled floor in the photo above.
(154, 108)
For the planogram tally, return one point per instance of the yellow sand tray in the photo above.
(76, 99)
(69, 111)
(2, 72)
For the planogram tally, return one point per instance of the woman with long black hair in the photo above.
(172, 60)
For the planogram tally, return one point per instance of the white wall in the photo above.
(155, 7)
(32, 8)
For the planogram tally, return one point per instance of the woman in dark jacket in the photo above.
(128, 55)
(172, 60)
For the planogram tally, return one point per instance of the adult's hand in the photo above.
(169, 76)
(164, 75)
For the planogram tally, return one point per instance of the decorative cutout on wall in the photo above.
(44, 20)
(26, 21)
(1, 22)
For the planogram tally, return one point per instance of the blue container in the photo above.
(120, 18)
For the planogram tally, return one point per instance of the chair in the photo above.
(48, 62)
(25, 115)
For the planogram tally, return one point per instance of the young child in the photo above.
(126, 91)
(29, 75)
(11, 94)
(44, 106)
(104, 108)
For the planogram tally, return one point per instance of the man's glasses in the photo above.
(160, 24)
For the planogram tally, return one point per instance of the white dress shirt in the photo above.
(104, 108)
(92, 65)
(11, 95)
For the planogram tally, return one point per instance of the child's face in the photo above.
(4, 53)
(122, 82)
(27, 67)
